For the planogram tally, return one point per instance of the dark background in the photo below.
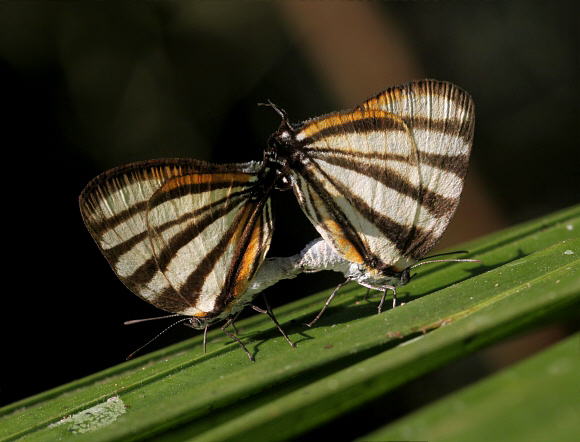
(89, 86)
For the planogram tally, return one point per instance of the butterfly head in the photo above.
(281, 142)
(378, 279)
(400, 277)
(195, 322)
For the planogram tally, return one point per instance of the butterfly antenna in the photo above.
(443, 254)
(279, 111)
(137, 321)
(446, 260)
(205, 337)
(158, 334)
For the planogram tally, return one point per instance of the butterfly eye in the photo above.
(285, 183)
(406, 276)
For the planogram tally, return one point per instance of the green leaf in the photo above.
(538, 400)
(351, 356)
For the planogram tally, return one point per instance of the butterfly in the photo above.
(188, 237)
(379, 182)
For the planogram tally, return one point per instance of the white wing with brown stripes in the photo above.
(186, 236)
(381, 182)
(209, 233)
(441, 119)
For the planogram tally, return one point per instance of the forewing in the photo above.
(209, 233)
(357, 180)
(381, 182)
(441, 119)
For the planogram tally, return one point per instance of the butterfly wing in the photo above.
(209, 233)
(122, 211)
(113, 207)
(376, 181)
(441, 119)
(355, 179)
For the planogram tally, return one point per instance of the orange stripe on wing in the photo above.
(204, 178)
(324, 124)
(339, 240)
(248, 262)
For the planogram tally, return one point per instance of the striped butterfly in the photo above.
(187, 236)
(379, 182)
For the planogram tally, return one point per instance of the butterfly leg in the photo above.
(233, 323)
(328, 302)
(385, 289)
(367, 294)
(235, 338)
(205, 337)
(270, 313)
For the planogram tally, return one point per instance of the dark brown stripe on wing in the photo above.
(233, 198)
(431, 98)
(260, 217)
(167, 299)
(196, 279)
(437, 205)
(342, 124)
(349, 233)
(186, 188)
(321, 152)
(447, 163)
(248, 217)
(458, 128)
(101, 224)
(114, 180)
(147, 271)
(456, 164)
(113, 254)
(317, 130)
(202, 221)
(402, 236)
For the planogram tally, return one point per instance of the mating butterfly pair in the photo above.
(380, 184)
